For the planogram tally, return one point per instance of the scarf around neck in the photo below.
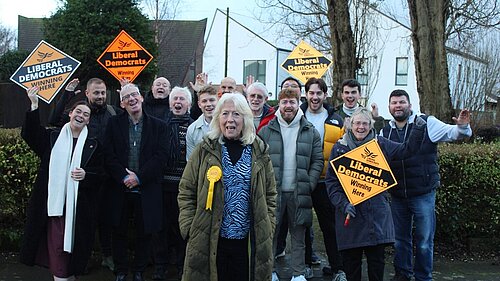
(352, 142)
(62, 189)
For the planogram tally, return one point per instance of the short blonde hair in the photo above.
(364, 113)
(242, 107)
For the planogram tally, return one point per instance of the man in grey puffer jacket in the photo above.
(296, 153)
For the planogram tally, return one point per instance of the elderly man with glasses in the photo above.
(135, 155)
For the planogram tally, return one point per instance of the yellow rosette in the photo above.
(214, 174)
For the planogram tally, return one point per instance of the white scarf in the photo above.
(62, 189)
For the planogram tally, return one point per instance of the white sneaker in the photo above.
(299, 278)
(275, 276)
(340, 276)
(309, 273)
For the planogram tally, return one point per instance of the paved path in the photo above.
(444, 270)
(11, 270)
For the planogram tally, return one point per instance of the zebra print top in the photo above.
(236, 179)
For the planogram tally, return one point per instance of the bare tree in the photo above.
(159, 10)
(7, 39)
(345, 30)
(428, 21)
(433, 22)
(476, 78)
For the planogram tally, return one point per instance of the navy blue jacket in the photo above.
(418, 174)
(373, 223)
(152, 158)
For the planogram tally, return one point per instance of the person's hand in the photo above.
(201, 81)
(71, 86)
(374, 107)
(249, 81)
(463, 117)
(78, 174)
(131, 180)
(33, 96)
(124, 81)
(350, 210)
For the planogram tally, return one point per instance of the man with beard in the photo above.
(135, 150)
(178, 121)
(351, 93)
(311, 257)
(296, 171)
(207, 100)
(100, 114)
(329, 125)
(413, 198)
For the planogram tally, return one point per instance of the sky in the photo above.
(189, 9)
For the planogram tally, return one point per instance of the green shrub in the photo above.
(18, 168)
(468, 201)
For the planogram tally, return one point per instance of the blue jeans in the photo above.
(418, 211)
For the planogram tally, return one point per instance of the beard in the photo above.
(97, 107)
(403, 117)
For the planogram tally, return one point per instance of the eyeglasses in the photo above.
(360, 123)
(127, 97)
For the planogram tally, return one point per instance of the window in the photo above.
(362, 73)
(256, 68)
(401, 71)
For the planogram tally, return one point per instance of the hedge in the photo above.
(468, 201)
(18, 168)
(467, 204)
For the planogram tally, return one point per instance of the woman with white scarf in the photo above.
(59, 229)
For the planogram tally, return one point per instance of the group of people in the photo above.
(219, 180)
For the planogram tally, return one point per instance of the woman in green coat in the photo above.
(227, 200)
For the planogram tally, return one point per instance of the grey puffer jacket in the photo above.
(309, 164)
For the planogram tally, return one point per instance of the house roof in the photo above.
(179, 41)
(30, 32)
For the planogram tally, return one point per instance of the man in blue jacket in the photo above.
(413, 199)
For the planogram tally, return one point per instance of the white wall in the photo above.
(243, 45)
(397, 43)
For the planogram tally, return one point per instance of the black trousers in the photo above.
(104, 226)
(232, 259)
(132, 208)
(169, 238)
(374, 257)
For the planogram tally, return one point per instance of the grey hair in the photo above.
(242, 107)
(364, 112)
(259, 87)
(183, 90)
(128, 87)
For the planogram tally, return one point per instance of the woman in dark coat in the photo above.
(370, 227)
(60, 216)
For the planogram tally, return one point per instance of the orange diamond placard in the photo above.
(363, 172)
(305, 62)
(124, 58)
(47, 68)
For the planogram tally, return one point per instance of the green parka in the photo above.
(201, 227)
(309, 157)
